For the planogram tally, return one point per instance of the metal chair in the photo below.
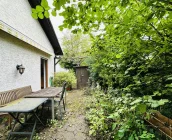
(58, 100)
(61, 99)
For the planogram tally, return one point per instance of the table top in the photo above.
(49, 92)
(23, 105)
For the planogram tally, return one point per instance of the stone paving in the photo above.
(73, 127)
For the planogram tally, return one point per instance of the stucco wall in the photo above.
(14, 51)
(17, 13)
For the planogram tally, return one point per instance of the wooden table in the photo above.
(23, 105)
(50, 93)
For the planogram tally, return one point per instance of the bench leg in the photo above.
(9, 121)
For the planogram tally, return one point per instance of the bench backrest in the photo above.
(11, 95)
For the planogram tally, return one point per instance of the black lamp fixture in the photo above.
(21, 68)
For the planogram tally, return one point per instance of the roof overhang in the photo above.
(48, 29)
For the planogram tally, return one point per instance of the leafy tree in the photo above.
(76, 50)
(132, 47)
(136, 34)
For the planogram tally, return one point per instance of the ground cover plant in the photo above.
(131, 54)
(121, 116)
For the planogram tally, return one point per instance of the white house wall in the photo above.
(17, 13)
(14, 51)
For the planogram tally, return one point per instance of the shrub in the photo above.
(115, 116)
(61, 77)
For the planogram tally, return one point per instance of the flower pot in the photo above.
(69, 87)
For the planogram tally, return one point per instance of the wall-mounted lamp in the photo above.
(20, 68)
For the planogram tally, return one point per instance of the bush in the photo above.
(61, 77)
(115, 116)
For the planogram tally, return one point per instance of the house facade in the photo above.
(27, 42)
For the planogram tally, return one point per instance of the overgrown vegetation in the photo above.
(120, 116)
(132, 54)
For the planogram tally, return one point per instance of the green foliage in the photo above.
(41, 11)
(61, 77)
(44, 10)
(132, 49)
(119, 116)
(36, 137)
(52, 123)
(131, 53)
(54, 13)
(167, 109)
(46, 14)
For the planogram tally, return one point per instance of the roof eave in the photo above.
(48, 29)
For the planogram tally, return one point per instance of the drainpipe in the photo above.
(55, 63)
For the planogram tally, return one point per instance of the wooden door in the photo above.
(44, 73)
(82, 75)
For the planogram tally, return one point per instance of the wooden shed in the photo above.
(82, 76)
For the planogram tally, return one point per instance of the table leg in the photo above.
(25, 117)
(52, 104)
(24, 133)
(36, 116)
(16, 118)
(33, 130)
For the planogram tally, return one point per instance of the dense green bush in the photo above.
(120, 116)
(61, 77)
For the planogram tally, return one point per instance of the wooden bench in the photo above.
(12, 95)
(161, 123)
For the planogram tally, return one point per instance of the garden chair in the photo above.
(59, 101)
